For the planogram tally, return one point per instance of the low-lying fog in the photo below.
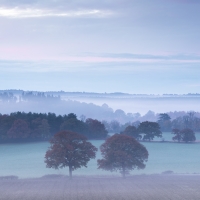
(27, 160)
(121, 107)
(144, 104)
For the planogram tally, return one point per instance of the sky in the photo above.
(130, 46)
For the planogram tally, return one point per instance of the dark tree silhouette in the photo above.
(150, 130)
(69, 149)
(188, 135)
(164, 122)
(185, 135)
(132, 131)
(122, 153)
(177, 134)
(19, 129)
(6, 122)
(96, 129)
(40, 128)
(164, 117)
(73, 125)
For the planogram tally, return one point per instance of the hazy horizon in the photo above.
(131, 46)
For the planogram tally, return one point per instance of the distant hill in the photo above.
(118, 106)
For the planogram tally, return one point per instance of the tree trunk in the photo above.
(70, 172)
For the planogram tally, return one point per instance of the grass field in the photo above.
(27, 160)
(142, 187)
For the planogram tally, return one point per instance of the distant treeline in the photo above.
(40, 102)
(187, 120)
(38, 126)
(114, 121)
(30, 126)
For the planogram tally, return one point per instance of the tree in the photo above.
(164, 117)
(96, 129)
(122, 153)
(188, 135)
(114, 126)
(74, 125)
(6, 122)
(132, 131)
(19, 129)
(150, 130)
(164, 122)
(177, 134)
(40, 128)
(69, 149)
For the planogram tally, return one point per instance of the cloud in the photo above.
(146, 58)
(36, 13)
(115, 59)
(110, 62)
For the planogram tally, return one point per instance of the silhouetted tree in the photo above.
(132, 131)
(188, 135)
(69, 149)
(164, 122)
(164, 117)
(185, 135)
(96, 129)
(177, 134)
(122, 153)
(71, 116)
(74, 125)
(40, 128)
(19, 129)
(150, 130)
(6, 122)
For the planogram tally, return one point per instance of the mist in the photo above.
(75, 75)
(170, 163)
(102, 106)
(169, 171)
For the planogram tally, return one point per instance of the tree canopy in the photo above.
(132, 131)
(96, 129)
(185, 135)
(188, 135)
(164, 122)
(42, 126)
(150, 130)
(19, 129)
(69, 149)
(122, 153)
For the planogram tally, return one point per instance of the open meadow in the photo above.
(142, 187)
(26, 160)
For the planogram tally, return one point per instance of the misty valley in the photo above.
(47, 137)
(99, 100)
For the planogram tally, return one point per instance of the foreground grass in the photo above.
(151, 187)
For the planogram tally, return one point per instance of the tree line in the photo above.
(11, 101)
(187, 121)
(42, 126)
(29, 126)
(166, 121)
